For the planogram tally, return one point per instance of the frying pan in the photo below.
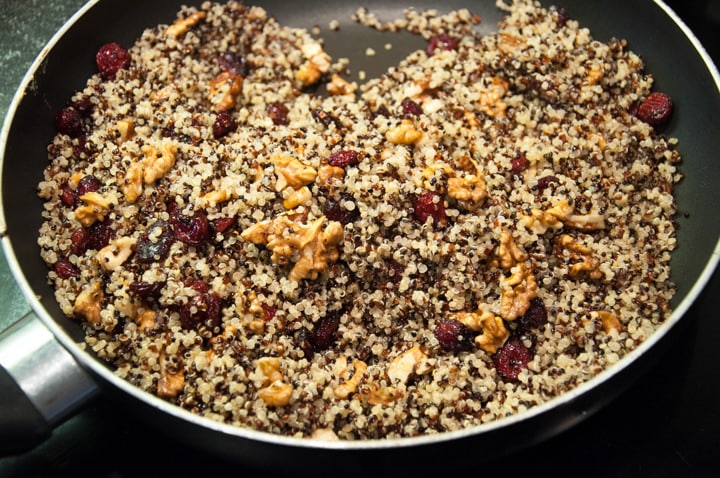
(46, 376)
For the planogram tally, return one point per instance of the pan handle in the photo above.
(41, 385)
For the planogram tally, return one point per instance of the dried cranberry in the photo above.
(146, 290)
(79, 241)
(344, 158)
(99, 234)
(84, 106)
(535, 316)
(68, 121)
(453, 335)
(268, 311)
(335, 211)
(224, 124)
(88, 184)
(430, 205)
(154, 244)
(545, 182)
(202, 308)
(222, 224)
(410, 108)
(325, 331)
(394, 271)
(380, 111)
(303, 339)
(81, 148)
(519, 163)
(191, 230)
(441, 42)
(65, 269)
(68, 196)
(110, 59)
(511, 359)
(278, 113)
(562, 16)
(656, 109)
(234, 63)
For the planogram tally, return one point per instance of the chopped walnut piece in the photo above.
(324, 434)
(126, 129)
(508, 252)
(413, 360)
(609, 320)
(96, 208)
(374, 394)
(182, 25)
(317, 63)
(404, 133)
(216, 197)
(494, 334)
(583, 262)
(224, 91)
(89, 303)
(516, 292)
(292, 172)
(277, 394)
(491, 97)
(146, 320)
(585, 222)
(268, 379)
(594, 75)
(339, 86)
(470, 189)
(299, 197)
(116, 253)
(327, 174)
(540, 221)
(348, 387)
(132, 185)
(156, 163)
(251, 311)
(170, 384)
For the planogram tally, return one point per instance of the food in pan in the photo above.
(478, 231)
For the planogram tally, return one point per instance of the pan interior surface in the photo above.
(650, 32)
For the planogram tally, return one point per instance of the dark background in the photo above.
(666, 424)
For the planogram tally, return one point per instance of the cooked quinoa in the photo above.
(477, 231)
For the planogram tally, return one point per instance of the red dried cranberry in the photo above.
(268, 311)
(224, 124)
(222, 224)
(79, 241)
(441, 42)
(656, 109)
(430, 205)
(191, 230)
(81, 148)
(519, 163)
(84, 106)
(202, 308)
(154, 244)
(335, 211)
(65, 269)
(535, 316)
(110, 59)
(68, 196)
(68, 121)
(511, 359)
(453, 335)
(410, 108)
(99, 234)
(545, 182)
(344, 158)
(234, 63)
(278, 113)
(88, 184)
(325, 331)
(147, 291)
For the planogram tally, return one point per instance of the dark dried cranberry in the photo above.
(81, 148)
(202, 308)
(68, 121)
(656, 109)
(519, 163)
(380, 111)
(325, 118)
(84, 106)
(224, 124)
(88, 184)
(146, 290)
(441, 42)
(545, 182)
(344, 158)
(430, 205)
(191, 230)
(325, 331)
(65, 269)
(278, 113)
(561, 17)
(268, 311)
(234, 63)
(111, 58)
(410, 108)
(303, 339)
(99, 234)
(511, 359)
(68, 196)
(154, 244)
(79, 241)
(535, 317)
(394, 271)
(335, 211)
(454, 336)
(222, 224)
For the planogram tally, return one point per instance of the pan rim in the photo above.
(86, 360)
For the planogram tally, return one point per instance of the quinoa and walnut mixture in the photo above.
(479, 230)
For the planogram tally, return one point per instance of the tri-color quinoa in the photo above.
(479, 230)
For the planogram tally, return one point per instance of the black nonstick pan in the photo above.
(71, 375)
